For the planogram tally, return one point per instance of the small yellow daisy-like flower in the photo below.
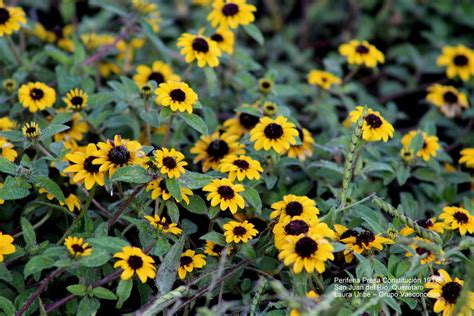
(276, 134)
(189, 261)
(429, 223)
(241, 124)
(241, 167)
(6, 245)
(270, 108)
(77, 247)
(200, 48)
(467, 157)
(117, 153)
(76, 99)
(446, 291)
(143, 6)
(72, 201)
(458, 218)
(158, 189)
(78, 127)
(6, 124)
(225, 40)
(161, 224)
(159, 72)
(239, 232)
(31, 130)
(36, 96)
(323, 79)
(458, 60)
(7, 150)
(375, 127)
(265, 85)
(430, 145)
(427, 255)
(293, 205)
(211, 149)
(341, 233)
(407, 154)
(134, 262)
(231, 13)
(177, 95)
(9, 85)
(448, 99)
(11, 19)
(170, 162)
(82, 167)
(213, 249)
(305, 150)
(306, 251)
(361, 53)
(363, 242)
(224, 193)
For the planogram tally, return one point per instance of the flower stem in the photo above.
(15, 52)
(168, 131)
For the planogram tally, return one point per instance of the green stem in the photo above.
(14, 50)
(168, 131)
(38, 224)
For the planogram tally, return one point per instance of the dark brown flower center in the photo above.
(373, 121)
(217, 38)
(89, 166)
(36, 94)
(217, 248)
(296, 227)
(266, 84)
(241, 164)
(217, 149)
(421, 251)
(294, 208)
(461, 217)
(200, 45)
(451, 291)
(4, 15)
(230, 9)
(365, 237)
(425, 223)
(460, 60)
(239, 231)
(77, 248)
(273, 131)
(119, 155)
(300, 133)
(362, 49)
(156, 77)
(248, 121)
(135, 262)
(349, 233)
(31, 130)
(77, 101)
(450, 97)
(226, 192)
(178, 95)
(185, 260)
(169, 162)
(305, 247)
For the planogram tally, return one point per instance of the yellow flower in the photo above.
(448, 99)
(241, 124)
(427, 255)
(305, 150)
(265, 85)
(6, 245)
(77, 247)
(161, 224)
(117, 153)
(170, 162)
(213, 249)
(211, 149)
(239, 232)
(297, 225)
(375, 127)
(201, 48)
(143, 6)
(159, 73)
(276, 134)
(177, 95)
(10, 19)
(76, 99)
(429, 148)
(458, 218)
(158, 189)
(78, 128)
(224, 193)
(6, 124)
(43, 34)
(31, 130)
(231, 13)
(241, 167)
(292, 206)
(225, 40)
(308, 252)
(467, 157)
(6, 150)
(72, 201)
(364, 241)
(134, 262)
(361, 53)
(269, 108)
(36, 96)
(9, 85)
(429, 223)
(83, 168)
(106, 69)
(189, 261)
(458, 60)
(446, 291)
(323, 79)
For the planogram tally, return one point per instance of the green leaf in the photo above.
(416, 142)
(249, 110)
(196, 205)
(107, 243)
(166, 275)
(14, 189)
(194, 180)
(253, 31)
(5, 274)
(37, 264)
(77, 289)
(14, 136)
(50, 186)
(211, 79)
(195, 122)
(403, 173)
(87, 306)
(215, 238)
(253, 198)
(29, 234)
(97, 258)
(103, 293)
(174, 188)
(52, 130)
(131, 174)
(124, 289)
(425, 174)
(7, 306)
(61, 118)
(156, 41)
(7, 166)
(173, 211)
